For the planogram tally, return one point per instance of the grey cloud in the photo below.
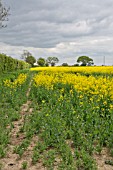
(45, 24)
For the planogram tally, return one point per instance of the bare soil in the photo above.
(102, 158)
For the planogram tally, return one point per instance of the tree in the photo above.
(64, 64)
(52, 60)
(27, 56)
(85, 60)
(75, 65)
(3, 14)
(31, 60)
(41, 62)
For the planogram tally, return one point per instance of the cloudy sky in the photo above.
(66, 29)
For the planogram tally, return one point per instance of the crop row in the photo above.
(11, 99)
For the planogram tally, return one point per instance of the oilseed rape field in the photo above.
(57, 118)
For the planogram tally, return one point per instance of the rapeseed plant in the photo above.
(17, 82)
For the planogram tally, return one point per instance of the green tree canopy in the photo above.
(31, 60)
(41, 62)
(52, 60)
(27, 56)
(64, 64)
(85, 60)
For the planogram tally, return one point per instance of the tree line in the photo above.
(28, 57)
(51, 61)
(8, 64)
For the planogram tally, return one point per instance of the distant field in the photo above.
(57, 118)
(83, 70)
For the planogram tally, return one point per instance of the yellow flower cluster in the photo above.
(100, 85)
(88, 69)
(17, 82)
